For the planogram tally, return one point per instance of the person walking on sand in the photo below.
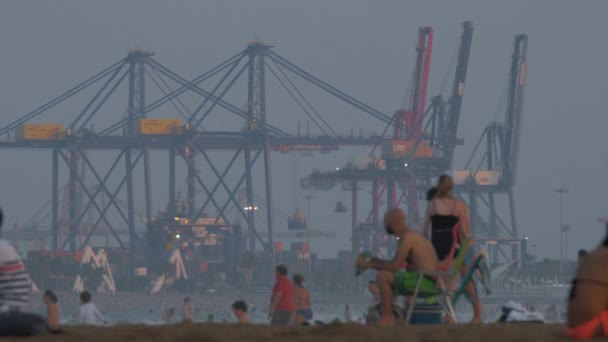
(50, 300)
(239, 309)
(89, 314)
(187, 310)
(281, 303)
(414, 248)
(302, 300)
(448, 217)
(588, 301)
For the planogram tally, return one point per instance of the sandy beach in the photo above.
(328, 333)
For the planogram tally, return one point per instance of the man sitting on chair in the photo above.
(414, 249)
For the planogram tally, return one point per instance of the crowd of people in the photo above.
(417, 257)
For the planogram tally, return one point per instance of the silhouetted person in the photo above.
(302, 300)
(89, 314)
(281, 303)
(50, 300)
(588, 302)
(448, 218)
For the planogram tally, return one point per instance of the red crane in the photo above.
(408, 127)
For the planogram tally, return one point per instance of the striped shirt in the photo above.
(15, 286)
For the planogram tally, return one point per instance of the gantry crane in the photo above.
(421, 149)
(491, 172)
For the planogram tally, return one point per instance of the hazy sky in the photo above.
(365, 48)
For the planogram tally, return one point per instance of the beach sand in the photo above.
(327, 333)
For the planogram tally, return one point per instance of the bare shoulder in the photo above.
(593, 265)
(413, 237)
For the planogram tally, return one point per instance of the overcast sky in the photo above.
(365, 48)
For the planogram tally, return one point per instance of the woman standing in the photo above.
(448, 218)
(302, 300)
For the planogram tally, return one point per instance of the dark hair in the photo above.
(582, 253)
(431, 193)
(85, 297)
(186, 300)
(444, 186)
(51, 296)
(240, 305)
(371, 282)
(281, 270)
(605, 243)
(298, 279)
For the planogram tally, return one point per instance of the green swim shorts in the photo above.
(405, 284)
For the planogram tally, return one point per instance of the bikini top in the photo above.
(443, 223)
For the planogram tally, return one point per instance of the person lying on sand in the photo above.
(588, 302)
(414, 249)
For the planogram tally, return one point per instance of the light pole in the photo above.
(250, 209)
(562, 229)
(308, 197)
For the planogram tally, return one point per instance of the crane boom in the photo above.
(455, 101)
(412, 116)
(515, 103)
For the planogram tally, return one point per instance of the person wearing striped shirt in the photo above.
(15, 285)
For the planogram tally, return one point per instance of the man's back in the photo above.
(422, 255)
(14, 281)
(284, 286)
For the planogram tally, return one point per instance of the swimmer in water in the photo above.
(588, 302)
(302, 300)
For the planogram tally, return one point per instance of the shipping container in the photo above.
(482, 177)
(400, 149)
(40, 132)
(158, 126)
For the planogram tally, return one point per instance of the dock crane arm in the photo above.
(455, 100)
(515, 104)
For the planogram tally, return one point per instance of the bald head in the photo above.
(394, 221)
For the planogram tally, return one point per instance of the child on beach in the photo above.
(50, 300)
(89, 314)
(239, 309)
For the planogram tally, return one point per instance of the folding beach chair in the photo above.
(443, 290)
